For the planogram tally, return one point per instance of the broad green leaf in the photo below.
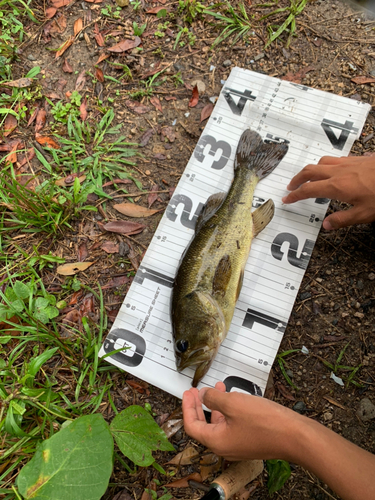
(36, 363)
(137, 435)
(278, 472)
(75, 463)
(21, 290)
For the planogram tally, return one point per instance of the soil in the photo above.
(336, 304)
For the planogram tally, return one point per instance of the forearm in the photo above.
(343, 466)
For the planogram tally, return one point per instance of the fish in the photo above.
(210, 274)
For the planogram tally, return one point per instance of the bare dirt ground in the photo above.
(336, 303)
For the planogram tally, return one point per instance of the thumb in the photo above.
(215, 400)
(343, 218)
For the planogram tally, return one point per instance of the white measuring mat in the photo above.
(314, 124)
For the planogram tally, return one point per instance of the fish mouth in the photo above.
(196, 357)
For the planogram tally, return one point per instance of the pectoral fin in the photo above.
(262, 216)
(222, 276)
(212, 205)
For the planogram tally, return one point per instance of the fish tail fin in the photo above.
(260, 157)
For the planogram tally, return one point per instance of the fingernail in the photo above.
(283, 199)
(202, 393)
(327, 225)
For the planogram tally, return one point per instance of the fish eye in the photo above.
(182, 346)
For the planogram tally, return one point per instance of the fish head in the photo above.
(198, 330)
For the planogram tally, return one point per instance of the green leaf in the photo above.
(21, 290)
(75, 463)
(137, 435)
(36, 363)
(33, 72)
(278, 472)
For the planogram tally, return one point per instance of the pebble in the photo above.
(31, 57)
(300, 407)
(178, 66)
(366, 410)
(360, 285)
(227, 63)
(327, 416)
(367, 138)
(289, 373)
(371, 276)
(372, 73)
(305, 295)
(259, 56)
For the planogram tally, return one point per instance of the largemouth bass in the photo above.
(210, 275)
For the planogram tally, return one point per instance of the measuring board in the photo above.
(313, 123)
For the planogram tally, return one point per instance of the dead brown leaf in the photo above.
(141, 387)
(100, 41)
(334, 402)
(124, 227)
(137, 107)
(83, 109)
(9, 146)
(125, 45)
(184, 482)
(66, 67)
(81, 81)
(284, 391)
(60, 3)
(83, 252)
(168, 133)
(110, 247)
(21, 83)
(194, 98)
(156, 102)
(102, 57)
(99, 75)
(50, 12)
(361, 80)
(12, 156)
(10, 124)
(171, 427)
(146, 137)
(69, 180)
(133, 210)
(206, 111)
(27, 157)
(116, 282)
(209, 464)
(117, 181)
(185, 457)
(152, 197)
(78, 26)
(40, 120)
(94, 1)
(58, 25)
(297, 77)
(154, 10)
(73, 268)
(44, 140)
(33, 116)
(64, 47)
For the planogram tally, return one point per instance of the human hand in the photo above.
(349, 179)
(242, 426)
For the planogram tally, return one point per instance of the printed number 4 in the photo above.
(346, 128)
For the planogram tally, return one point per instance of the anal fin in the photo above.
(263, 216)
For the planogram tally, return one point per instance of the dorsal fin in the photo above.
(211, 206)
(262, 216)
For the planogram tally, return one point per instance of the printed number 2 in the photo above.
(300, 262)
(186, 212)
(345, 129)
